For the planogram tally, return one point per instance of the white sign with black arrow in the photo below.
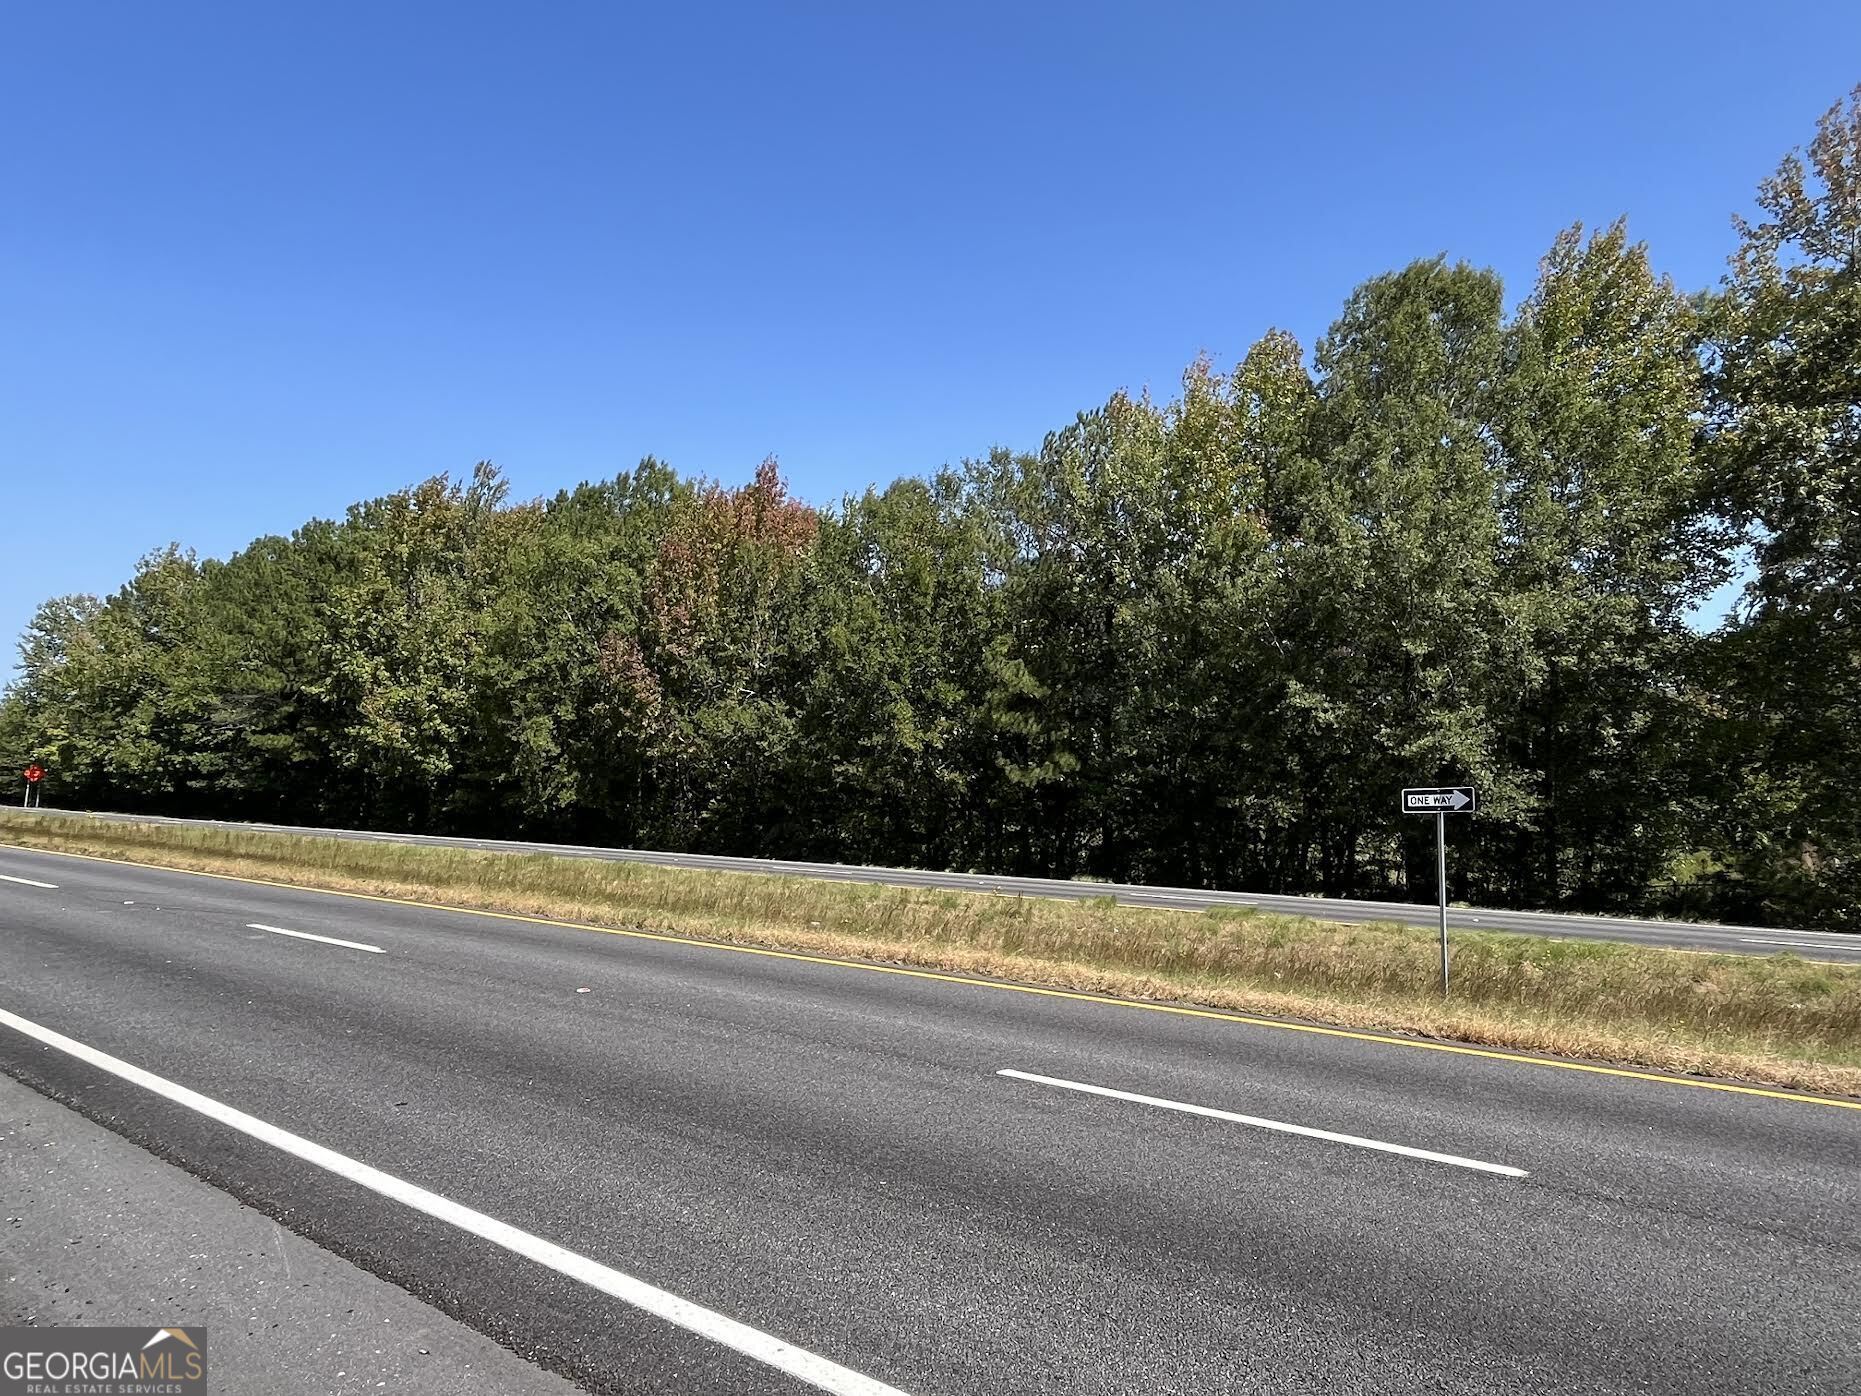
(1441, 801)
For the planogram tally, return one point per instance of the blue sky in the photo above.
(259, 261)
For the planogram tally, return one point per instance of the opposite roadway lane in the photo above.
(1678, 935)
(661, 1166)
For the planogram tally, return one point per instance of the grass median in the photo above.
(1778, 1020)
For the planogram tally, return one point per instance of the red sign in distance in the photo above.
(35, 773)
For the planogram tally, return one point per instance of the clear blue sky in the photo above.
(260, 260)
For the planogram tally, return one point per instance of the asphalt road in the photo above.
(1680, 935)
(99, 1230)
(502, 1116)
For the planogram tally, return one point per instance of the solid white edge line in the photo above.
(30, 882)
(325, 940)
(693, 1318)
(1280, 1126)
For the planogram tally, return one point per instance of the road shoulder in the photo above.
(99, 1231)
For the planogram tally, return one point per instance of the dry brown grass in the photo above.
(1779, 1020)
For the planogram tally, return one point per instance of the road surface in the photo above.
(99, 1229)
(1679, 935)
(658, 1166)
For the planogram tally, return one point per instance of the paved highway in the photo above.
(658, 1166)
(1680, 935)
(98, 1229)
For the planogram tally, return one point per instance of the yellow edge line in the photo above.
(938, 976)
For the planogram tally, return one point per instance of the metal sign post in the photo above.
(1441, 888)
(1441, 801)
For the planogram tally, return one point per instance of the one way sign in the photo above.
(1448, 799)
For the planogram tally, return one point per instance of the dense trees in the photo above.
(1199, 641)
(1786, 442)
(1606, 548)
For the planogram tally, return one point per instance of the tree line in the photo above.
(1201, 641)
